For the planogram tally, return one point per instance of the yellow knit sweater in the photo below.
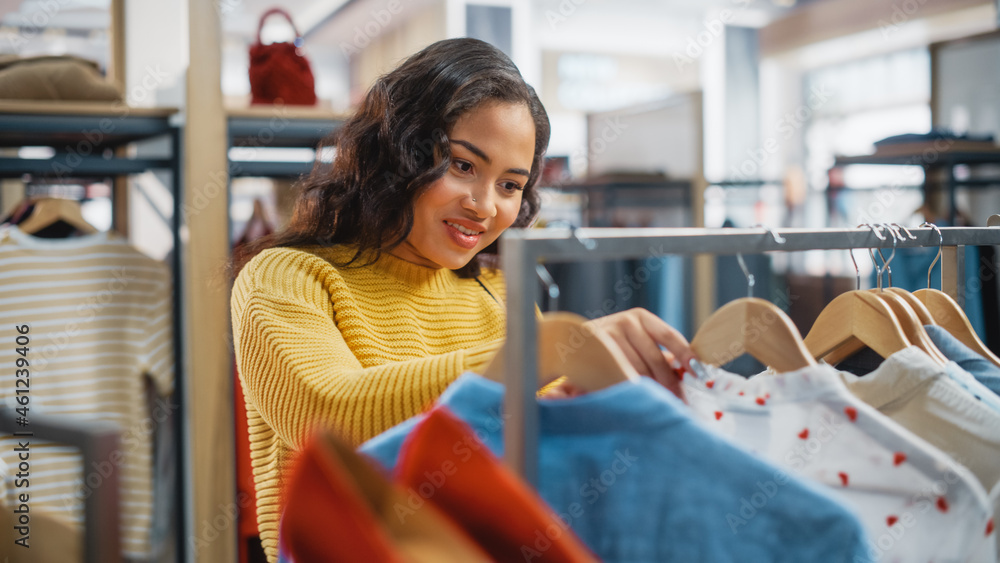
(356, 349)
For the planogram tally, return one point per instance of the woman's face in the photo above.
(464, 211)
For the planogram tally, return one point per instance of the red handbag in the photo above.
(279, 71)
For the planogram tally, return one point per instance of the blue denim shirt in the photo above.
(639, 480)
(977, 374)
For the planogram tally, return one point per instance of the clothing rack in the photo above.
(522, 250)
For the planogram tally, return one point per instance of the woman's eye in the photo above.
(511, 187)
(462, 165)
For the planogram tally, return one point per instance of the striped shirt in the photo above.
(97, 316)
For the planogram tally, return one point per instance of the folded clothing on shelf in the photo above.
(62, 77)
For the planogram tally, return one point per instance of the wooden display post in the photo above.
(210, 533)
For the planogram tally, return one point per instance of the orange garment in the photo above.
(339, 508)
(445, 464)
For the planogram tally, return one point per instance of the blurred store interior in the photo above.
(664, 113)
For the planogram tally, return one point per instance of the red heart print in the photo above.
(891, 520)
(718, 415)
(898, 458)
(942, 504)
(851, 412)
(804, 434)
(843, 478)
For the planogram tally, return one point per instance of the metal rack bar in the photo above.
(522, 249)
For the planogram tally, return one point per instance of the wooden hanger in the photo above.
(912, 326)
(754, 326)
(17, 213)
(948, 314)
(589, 359)
(908, 320)
(49, 210)
(923, 314)
(858, 318)
(857, 315)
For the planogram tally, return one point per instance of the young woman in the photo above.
(380, 292)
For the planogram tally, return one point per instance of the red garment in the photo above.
(325, 518)
(339, 508)
(249, 548)
(443, 462)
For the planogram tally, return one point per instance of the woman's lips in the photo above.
(467, 242)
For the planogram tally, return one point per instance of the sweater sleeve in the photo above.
(298, 371)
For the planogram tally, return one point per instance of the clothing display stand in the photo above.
(88, 140)
(522, 250)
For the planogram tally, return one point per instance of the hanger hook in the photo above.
(587, 243)
(746, 272)
(885, 265)
(857, 272)
(905, 230)
(551, 287)
(871, 254)
(940, 244)
(777, 238)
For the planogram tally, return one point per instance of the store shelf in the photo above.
(62, 107)
(94, 127)
(930, 156)
(61, 167)
(287, 111)
(268, 169)
(278, 127)
(939, 158)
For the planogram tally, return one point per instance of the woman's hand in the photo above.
(639, 333)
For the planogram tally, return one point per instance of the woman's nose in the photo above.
(481, 202)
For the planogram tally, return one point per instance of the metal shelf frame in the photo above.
(277, 132)
(85, 144)
(522, 250)
(945, 159)
(103, 130)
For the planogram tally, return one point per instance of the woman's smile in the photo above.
(463, 236)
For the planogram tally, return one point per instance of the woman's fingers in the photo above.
(615, 330)
(669, 337)
(639, 333)
(641, 340)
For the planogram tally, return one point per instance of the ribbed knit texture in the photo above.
(356, 349)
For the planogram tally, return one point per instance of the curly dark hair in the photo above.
(385, 152)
